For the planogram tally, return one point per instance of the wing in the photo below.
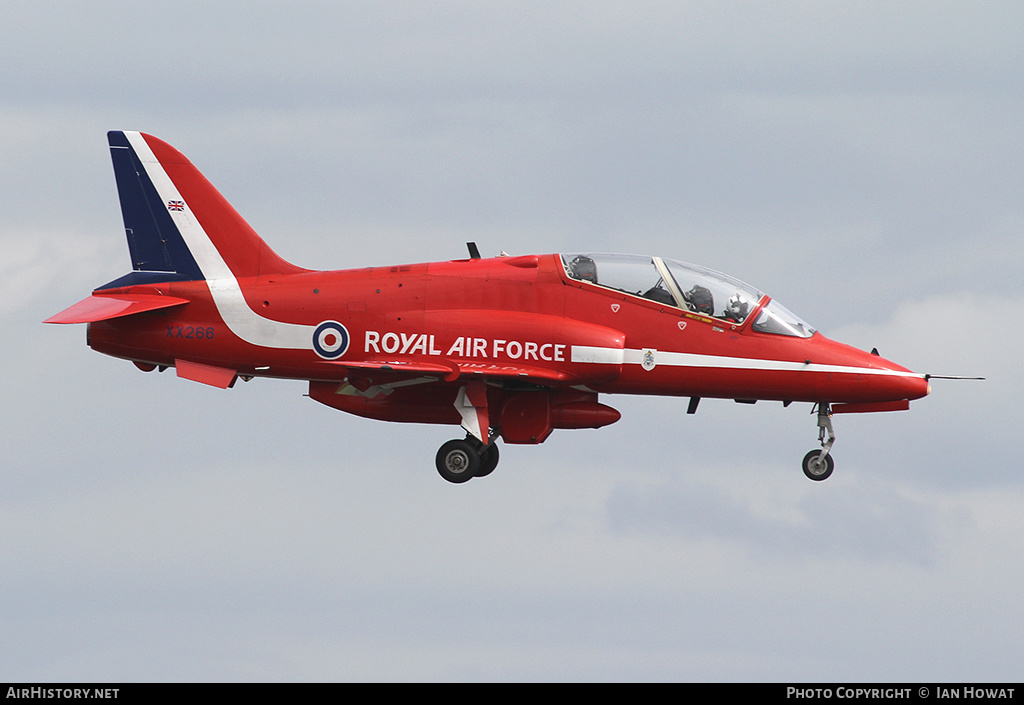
(375, 380)
(452, 371)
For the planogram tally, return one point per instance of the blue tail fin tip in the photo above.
(156, 246)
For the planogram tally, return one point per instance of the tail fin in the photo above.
(178, 225)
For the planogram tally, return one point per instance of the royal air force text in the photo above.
(463, 347)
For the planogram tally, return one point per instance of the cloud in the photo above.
(857, 523)
(34, 264)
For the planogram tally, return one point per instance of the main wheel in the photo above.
(458, 461)
(816, 468)
(488, 460)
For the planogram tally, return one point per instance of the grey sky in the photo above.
(862, 162)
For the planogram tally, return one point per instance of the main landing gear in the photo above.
(461, 460)
(818, 464)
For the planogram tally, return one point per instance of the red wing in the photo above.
(451, 371)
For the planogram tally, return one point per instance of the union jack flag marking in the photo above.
(175, 205)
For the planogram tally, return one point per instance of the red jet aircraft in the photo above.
(509, 347)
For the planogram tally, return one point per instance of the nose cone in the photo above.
(859, 376)
(895, 380)
(909, 385)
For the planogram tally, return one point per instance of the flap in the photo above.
(451, 371)
(871, 407)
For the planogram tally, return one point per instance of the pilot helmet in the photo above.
(738, 308)
(583, 267)
(701, 300)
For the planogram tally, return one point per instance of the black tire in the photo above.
(458, 461)
(488, 460)
(818, 470)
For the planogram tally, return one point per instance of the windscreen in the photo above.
(713, 293)
(686, 286)
(776, 318)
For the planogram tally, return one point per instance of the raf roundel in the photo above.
(330, 340)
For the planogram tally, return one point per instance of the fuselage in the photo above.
(509, 347)
(502, 317)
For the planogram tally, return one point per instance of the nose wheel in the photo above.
(816, 467)
(818, 464)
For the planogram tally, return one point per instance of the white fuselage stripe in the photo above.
(227, 294)
(630, 356)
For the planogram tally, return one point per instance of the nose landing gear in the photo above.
(818, 464)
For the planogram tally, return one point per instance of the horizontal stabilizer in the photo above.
(102, 307)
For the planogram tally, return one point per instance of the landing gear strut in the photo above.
(459, 461)
(818, 464)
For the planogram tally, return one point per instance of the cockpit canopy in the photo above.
(688, 287)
